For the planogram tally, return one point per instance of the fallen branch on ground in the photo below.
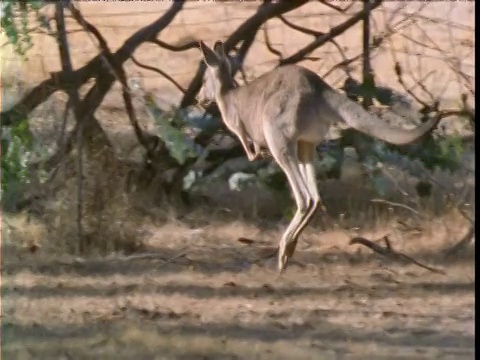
(390, 253)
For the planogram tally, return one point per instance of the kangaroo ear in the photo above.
(235, 63)
(219, 49)
(209, 56)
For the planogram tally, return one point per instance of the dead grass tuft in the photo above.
(22, 231)
(110, 221)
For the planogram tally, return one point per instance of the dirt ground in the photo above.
(199, 293)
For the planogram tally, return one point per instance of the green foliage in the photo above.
(272, 177)
(15, 21)
(18, 150)
(206, 123)
(16, 146)
(444, 153)
(179, 145)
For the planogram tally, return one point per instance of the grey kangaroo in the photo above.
(289, 110)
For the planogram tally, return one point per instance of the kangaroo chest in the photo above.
(246, 117)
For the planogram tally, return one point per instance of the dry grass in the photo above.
(198, 292)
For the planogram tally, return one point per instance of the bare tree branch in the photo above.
(98, 91)
(334, 32)
(119, 73)
(314, 33)
(375, 44)
(398, 72)
(193, 44)
(158, 71)
(299, 28)
(268, 44)
(93, 69)
(334, 7)
(449, 61)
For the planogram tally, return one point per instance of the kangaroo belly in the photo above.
(254, 131)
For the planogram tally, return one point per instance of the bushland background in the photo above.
(106, 254)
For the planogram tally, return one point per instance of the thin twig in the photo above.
(334, 7)
(391, 203)
(399, 72)
(334, 32)
(419, 82)
(299, 28)
(376, 43)
(448, 60)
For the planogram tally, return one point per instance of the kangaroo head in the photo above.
(219, 73)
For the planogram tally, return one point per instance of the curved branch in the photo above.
(314, 33)
(268, 44)
(176, 48)
(158, 71)
(299, 28)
